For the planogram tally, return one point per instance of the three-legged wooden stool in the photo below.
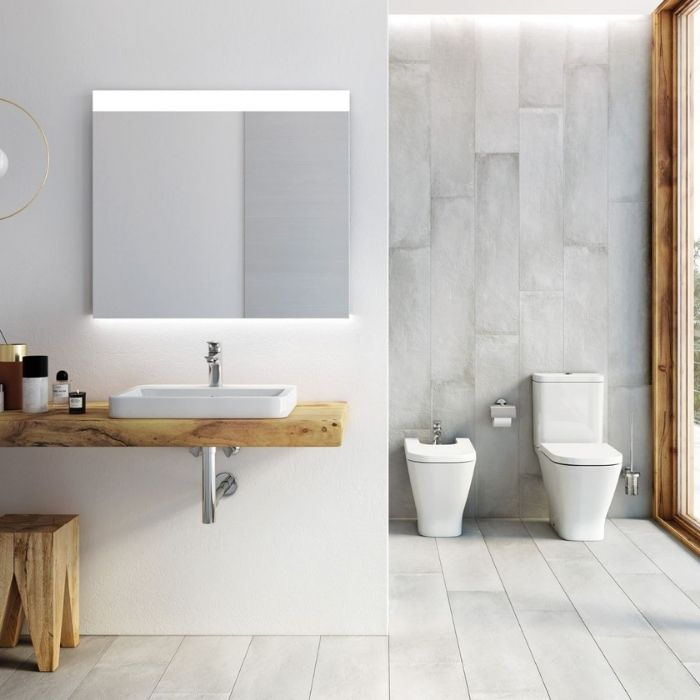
(39, 579)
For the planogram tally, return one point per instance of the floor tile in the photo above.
(428, 682)
(674, 559)
(648, 669)
(205, 665)
(466, 562)
(496, 658)
(514, 553)
(694, 669)
(129, 669)
(603, 605)
(420, 624)
(619, 555)
(408, 552)
(19, 657)
(352, 668)
(189, 696)
(26, 683)
(277, 668)
(571, 664)
(674, 616)
(551, 546)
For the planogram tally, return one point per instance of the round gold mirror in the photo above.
(24, 158)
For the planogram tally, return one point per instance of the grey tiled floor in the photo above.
(505, 611)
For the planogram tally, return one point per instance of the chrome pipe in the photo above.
(209, 499)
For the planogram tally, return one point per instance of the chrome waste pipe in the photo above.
(214, 486)
(208, 484)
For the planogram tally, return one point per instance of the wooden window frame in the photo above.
(671, 179)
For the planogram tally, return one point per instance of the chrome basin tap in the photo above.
(214, 361)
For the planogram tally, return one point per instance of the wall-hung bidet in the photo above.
(441, 476)
(580, 471)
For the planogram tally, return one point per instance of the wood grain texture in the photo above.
(664, 253)
(10, 604)
(309, 425)
(670, 382)
(39, 579)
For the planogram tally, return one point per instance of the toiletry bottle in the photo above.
(35, 384)
(61, 388)
(11, 373)
(2, 398)
(76, 402)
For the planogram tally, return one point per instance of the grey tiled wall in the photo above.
(519, 236)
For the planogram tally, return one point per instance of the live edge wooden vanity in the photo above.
(309, 425)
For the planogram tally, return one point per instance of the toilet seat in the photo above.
(457, 452)
(582, 454)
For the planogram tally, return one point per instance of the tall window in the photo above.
(676, 268)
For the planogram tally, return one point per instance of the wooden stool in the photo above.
(39, 579)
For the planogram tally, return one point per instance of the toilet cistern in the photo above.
(213, 359)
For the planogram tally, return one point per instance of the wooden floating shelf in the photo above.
(309, 425)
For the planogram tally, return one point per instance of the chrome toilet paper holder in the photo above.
(502, 414)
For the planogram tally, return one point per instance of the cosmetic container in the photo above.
(11, 355)
(61, 388)
(2, 398)
(35, 384)
(76, 402)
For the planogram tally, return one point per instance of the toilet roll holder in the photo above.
(502, 414)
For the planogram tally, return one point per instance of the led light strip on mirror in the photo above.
(221, 101)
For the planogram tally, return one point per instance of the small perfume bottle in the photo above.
(76, 402)
(61, 388)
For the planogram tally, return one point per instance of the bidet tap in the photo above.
(214, 361)
(437, 432)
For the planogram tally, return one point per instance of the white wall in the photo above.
(302, 547)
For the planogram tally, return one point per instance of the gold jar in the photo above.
(12, 352)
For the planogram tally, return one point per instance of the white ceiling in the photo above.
(522, 7)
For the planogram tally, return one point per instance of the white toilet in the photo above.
(580, 471)
(441, 476)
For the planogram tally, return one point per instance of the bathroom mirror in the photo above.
(220, 204)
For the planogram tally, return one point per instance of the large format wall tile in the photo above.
(453, 406)
(585, 310)
(541, 200)
(542, 54)
(541, 350)
(587, 41)
(497, 85)
(520, 174)
(409, 153)
(452, 106)
(409, 38)
(629, 279)
(452, 290)
(409, 334)
(586, 155)
(630, 85)
(497, 376)
(533, 497)
(497, 249)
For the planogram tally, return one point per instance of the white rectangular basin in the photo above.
(202, 401)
